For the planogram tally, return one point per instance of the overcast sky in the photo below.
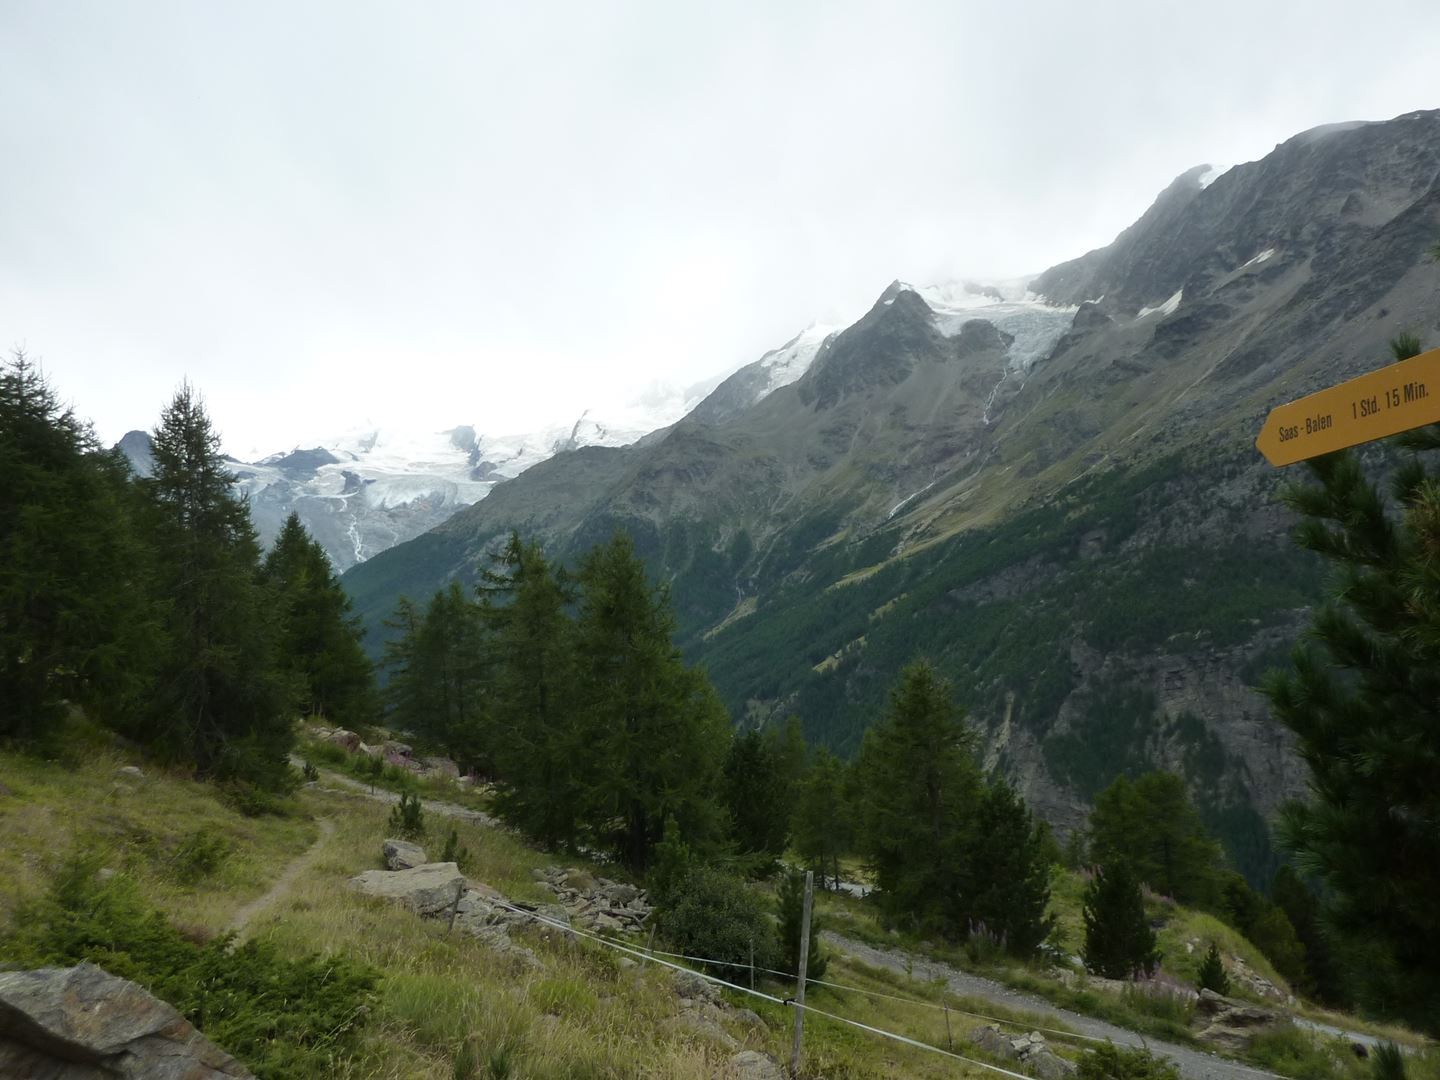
(432, 213)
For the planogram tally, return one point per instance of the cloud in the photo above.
(502, 214)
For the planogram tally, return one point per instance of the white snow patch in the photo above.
(1167, 308)
(1009, 305)
(1258, 259)
(786, 364)
(908, 499)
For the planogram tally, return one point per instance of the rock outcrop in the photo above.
(1029, 1050)
(1230, 1024)
(426, 890)
(440, 890)
(82, 1023)
(596, 903)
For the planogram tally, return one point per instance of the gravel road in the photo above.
(1193, 1064)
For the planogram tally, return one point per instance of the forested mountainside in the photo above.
(1060, 506)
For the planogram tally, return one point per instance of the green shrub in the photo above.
(254, 800)
(1212, 972)
(1303, 1055)
(1387, 1062)
(454, 852)
(407, 818)
(310, 772)
(1111, 1062)
(714, 916)
(284, 1017)
(198, 856)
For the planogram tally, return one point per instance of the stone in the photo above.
(130, 772)
(688, 1023)
(992, 1040)
(753, 1065)
(425, 890)
(82, 1023)
(346, 740)
(687, 984)
(403, 855)
(1232, 1025)
(368, 750)
(399, 749)
(1048, 1065)
(498, 938)
(441, 766)
(620, 894)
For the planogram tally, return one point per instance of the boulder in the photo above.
(690, 1023)
(346, 740)
(687, 984)
(82, 1023)
(991, 1040)
(1030, 1050)
(403, 855)
(130, 772)
(426, 890)
(441, 766)
(753, 1065)
(368, 750)
(1230, 1024)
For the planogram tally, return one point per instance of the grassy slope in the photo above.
(580, 1015)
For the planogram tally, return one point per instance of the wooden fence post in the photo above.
(800, 981)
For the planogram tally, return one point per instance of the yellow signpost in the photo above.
(1385, 402)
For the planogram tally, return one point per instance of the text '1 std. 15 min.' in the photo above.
(1385, 402)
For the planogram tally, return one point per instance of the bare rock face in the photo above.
(403, 855)
(83, 1023)
(426, 890)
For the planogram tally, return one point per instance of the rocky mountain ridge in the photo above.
(1053, 494)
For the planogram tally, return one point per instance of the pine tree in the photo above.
(1363, 701)
(535, 739)
(1323, 978)
(655, 731)
(757, 796)
(438, 662)
(1010, 871)
(921, 787)
(320, 641)
(1151, 823)
(824, 827)
(78, 614)
(222, 698)
(1118, 939)
(790, 901)
(1212, 975)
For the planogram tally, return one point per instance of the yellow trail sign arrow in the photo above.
(1385, 402)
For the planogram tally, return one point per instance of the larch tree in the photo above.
(655, 731)
(533, 731)
(78, 616)
(320, 639)
(221, 699)
(922, 786)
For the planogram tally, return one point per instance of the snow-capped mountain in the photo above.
(373, 487)
(364, 491)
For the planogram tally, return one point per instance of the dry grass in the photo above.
(144, 827)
